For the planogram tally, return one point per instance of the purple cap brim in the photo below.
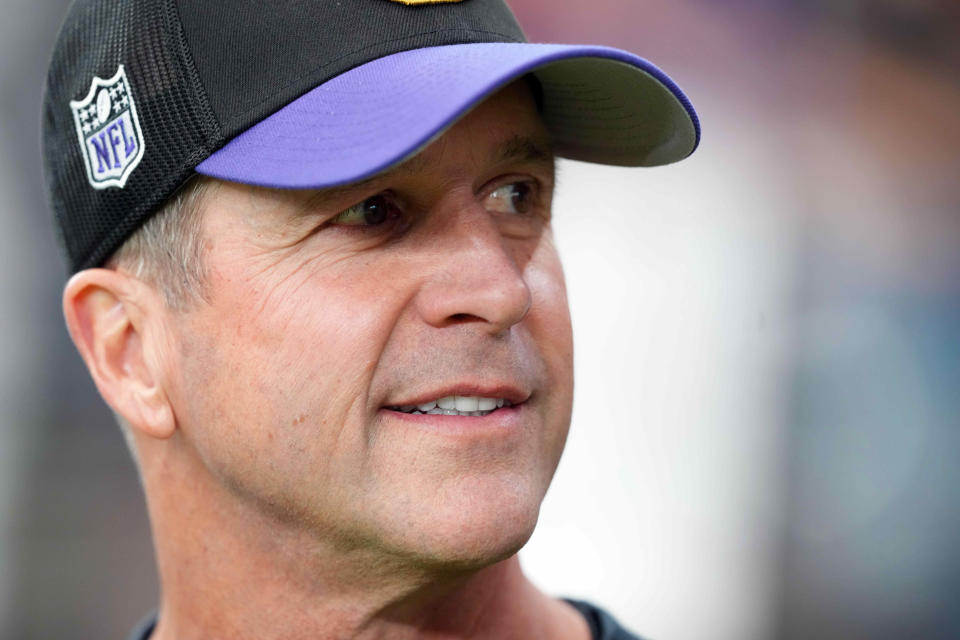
(624, 111)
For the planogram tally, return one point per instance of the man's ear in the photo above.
(107, 314)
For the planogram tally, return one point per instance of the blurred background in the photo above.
(767, 417)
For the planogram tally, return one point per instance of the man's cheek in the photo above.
(549, 311)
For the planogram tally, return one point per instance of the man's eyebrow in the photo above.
(409, 166)
(516, 149)
(520, 148)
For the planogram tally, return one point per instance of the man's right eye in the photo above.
(372, 212)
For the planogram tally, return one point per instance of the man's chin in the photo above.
(467, 540)
(467, 552)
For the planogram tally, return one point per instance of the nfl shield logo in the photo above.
(109, 131)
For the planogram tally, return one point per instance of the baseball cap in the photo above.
(141, 95)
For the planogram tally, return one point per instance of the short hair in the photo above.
(168, 250)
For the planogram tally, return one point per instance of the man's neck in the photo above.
(222, 579)
(495, 602)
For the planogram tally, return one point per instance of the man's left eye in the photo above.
(371, 212)
(516, 197)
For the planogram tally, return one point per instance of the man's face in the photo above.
(330, 310)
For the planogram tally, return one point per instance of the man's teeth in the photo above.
(456, 406)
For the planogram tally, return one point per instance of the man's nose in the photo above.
(476, 277)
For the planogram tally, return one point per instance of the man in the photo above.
(314, 277)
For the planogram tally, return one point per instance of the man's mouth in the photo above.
(456, 406)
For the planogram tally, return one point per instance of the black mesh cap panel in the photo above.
(178, 127)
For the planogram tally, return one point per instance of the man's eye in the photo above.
(369, 213)
(516, 197)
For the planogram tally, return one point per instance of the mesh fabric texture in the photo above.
(178, 126)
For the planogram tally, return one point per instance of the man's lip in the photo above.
(511, 393)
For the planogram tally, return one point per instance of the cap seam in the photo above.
(245, 114)
(211, 131)
(208, 118)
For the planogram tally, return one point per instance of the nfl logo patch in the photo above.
(109, 131)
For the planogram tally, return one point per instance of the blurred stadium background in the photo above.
(767, 419)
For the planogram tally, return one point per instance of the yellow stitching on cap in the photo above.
(409, 2)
